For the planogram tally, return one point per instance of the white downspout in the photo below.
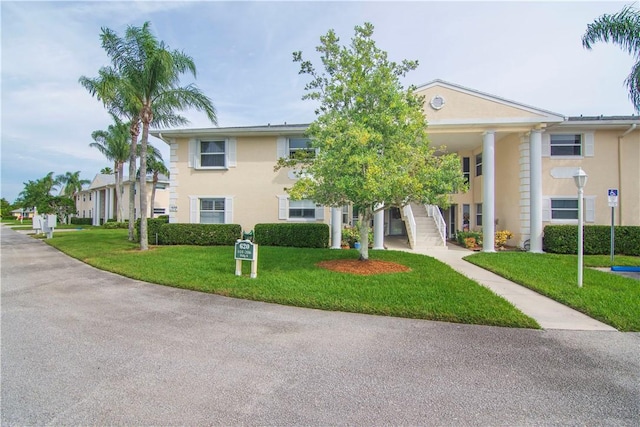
(627, 132)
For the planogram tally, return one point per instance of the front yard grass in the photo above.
(289, 276)
(610, 298)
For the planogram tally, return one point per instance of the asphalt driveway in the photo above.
(82, 346)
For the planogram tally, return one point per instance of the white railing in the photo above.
(408, 216)
(434, 211)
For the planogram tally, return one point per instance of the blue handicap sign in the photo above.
(613, 192)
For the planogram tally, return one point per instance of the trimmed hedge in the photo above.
(563, 239)
(153, 227)
(81, 221)
(298, 235)
(199, 234)
(113, 224)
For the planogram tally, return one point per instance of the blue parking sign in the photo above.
(613, 192)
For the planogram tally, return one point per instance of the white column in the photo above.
(488, 192)
(110, 199)
(96, 206)
(535, 190)
(336, 227)
(378, 228)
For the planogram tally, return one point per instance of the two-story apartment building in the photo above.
(98, 201)
(519, 161)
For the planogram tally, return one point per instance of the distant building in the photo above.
(98, 201)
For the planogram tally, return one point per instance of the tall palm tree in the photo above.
(143, 81)
(114, 145)
(106, 171)
(622, 29)
(71, 183)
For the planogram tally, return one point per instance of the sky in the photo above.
(528, 52)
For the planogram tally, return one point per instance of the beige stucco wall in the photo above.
(253, 184)
(605, 171)
(459, 105)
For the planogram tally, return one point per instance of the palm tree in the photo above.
(623, 29)
(142, 83)
(71, 182)
(114, 145)
(106, 171)
(150, 74)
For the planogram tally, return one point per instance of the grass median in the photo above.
(290, 276)
(610, 298)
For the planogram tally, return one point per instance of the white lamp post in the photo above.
(580, 178)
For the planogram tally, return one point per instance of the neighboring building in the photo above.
(23, 213)
(100, 197)
(519, 161)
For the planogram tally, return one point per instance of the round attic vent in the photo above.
(437, 102)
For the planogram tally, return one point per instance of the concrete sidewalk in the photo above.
(547, 312)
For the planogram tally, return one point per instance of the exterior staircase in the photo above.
(422, 228)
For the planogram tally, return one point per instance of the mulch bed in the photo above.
(364, 268)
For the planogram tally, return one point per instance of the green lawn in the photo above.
(432, 290)
(610, 298)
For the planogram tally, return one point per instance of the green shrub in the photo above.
(112, 224)
(81, 221)
(563, 239)
(462, 235)
(299, 235)
(153, 227)
(199, 234)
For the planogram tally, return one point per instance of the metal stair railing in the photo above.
(434, 212)
(410, 219)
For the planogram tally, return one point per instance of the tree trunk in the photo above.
(146, 118)
(153, 193)
(132, 180)
(365, 219)
(118, 173)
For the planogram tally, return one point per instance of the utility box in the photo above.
(36, 223)
(49, 223)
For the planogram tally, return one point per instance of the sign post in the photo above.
(612, 195)
(246, 250)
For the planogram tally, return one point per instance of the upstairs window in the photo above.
(566, 144)
(300, 147)
(479, 164)
(212, 154)
(466, 169)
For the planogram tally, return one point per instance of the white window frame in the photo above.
(587, 145)
(478, 214)
(284, 210)
(478, 164)
(194, 207)
(195, 153)
(589, 209)
(283, 149)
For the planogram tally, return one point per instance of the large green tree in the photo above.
(114, 143)
(144, 80)
(622, 29)
(38, 193)
(370, 135)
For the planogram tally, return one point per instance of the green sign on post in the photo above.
(245, 250)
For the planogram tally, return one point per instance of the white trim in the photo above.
(227, 156)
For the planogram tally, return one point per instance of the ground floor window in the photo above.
(302, 209)
(466, 217)
(479, 214)
(564, 208)
(212, 211)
